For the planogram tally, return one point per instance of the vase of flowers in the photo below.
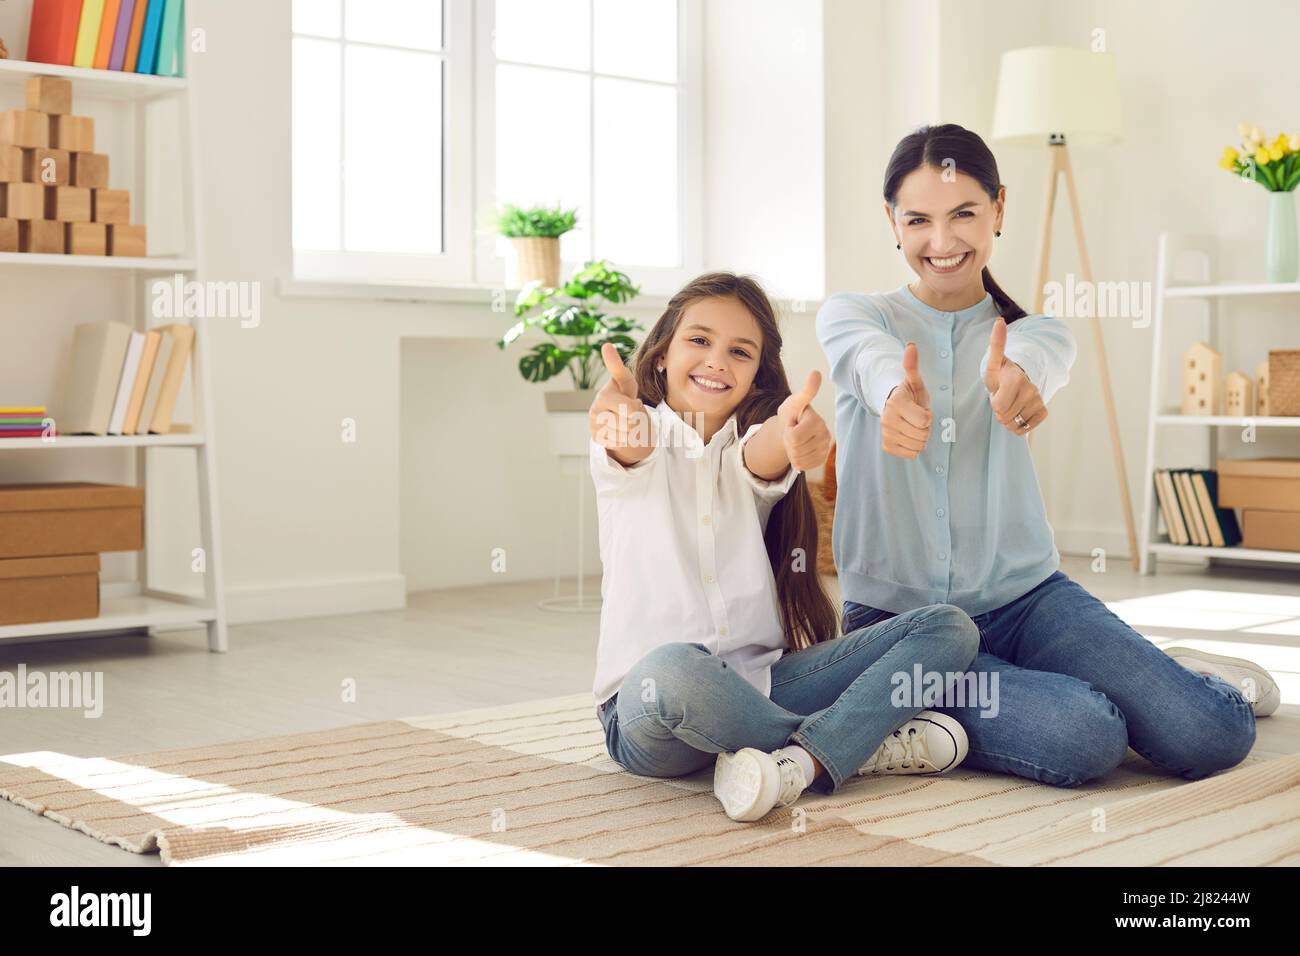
(1276, 167)
(534, 234)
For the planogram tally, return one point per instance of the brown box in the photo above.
(70, 517)
(25, 128)
(24, 200)
(40, 235)
(11, 163)
(1263, 484)
(49, 94)
(1271, 530)
(110, 205)
(67, 203)
(57, 588)
(75, 133)
(126, 240)
(8, 235)
(47, 166)
(90, 169)
(86, 238)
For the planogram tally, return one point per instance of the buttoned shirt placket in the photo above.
(941, 555)
(705, 469)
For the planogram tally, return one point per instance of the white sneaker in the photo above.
(749, 782)
(1255, 683)
(928, 743)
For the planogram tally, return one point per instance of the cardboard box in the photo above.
(70, 517)
(1271, 530)
(1262, 484)
(59, 588)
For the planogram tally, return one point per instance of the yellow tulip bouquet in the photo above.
(1275, 165)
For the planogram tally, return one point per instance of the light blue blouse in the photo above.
(964, 522)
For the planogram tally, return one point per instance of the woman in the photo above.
(939, 382)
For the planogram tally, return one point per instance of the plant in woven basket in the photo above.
(534, 234)
(576, 324)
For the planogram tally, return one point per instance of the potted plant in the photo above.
(1276, 167)
(576, 324)
(534, 234)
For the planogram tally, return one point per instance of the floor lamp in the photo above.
(1046, 94)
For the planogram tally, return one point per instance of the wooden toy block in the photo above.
(49, 167)
(1261, 389)
(24, 200)
(126, 240)
(24, 128)
(40, 235)
(49, 94)
(1201, 382)
(73, 133)
(90, 170)
(67, 203)
(111, 205)
(87, 238)
(8, 235)
(1237, 399)
(11, 164)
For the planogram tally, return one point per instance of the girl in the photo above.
(717, 642)
(939, 382)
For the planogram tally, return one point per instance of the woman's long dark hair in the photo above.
(930, 146)
(807, 615)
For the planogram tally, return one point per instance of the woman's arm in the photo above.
(866, 358)
(1044, 347)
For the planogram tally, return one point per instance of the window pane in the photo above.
(393, 151)
(637, 38)
(554, 33)
(544, 146)
(635, 187)
(409, 23)
(319, 17)
(315, 144)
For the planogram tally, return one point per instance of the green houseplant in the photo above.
(576, 323)
(534, 234)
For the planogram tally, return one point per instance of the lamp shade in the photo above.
(1051, 89)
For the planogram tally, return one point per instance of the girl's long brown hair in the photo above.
(807, 615)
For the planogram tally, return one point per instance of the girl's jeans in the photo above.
(1076, 686)
(679, 706)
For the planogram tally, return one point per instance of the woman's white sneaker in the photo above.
(749, 782)
(1256, 684)
(928, 743)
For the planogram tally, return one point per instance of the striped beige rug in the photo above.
(531, 784)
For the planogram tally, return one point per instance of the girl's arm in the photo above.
(795, 436)
(866, 358)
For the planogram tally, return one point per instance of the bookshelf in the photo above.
(134, 605)
(1199, 251)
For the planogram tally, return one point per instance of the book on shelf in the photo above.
(22, 421)
(1188, 504)
(124, 382)
(135, 36)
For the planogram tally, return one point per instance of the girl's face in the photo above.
(713, 358)
(945, 222)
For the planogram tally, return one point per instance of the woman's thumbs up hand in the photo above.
(905, 419)
(1015, 399)
(618, 418)
(804, 433)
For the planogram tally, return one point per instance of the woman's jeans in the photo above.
(679, 706)
(1075, 686)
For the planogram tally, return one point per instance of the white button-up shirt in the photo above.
(681, 544)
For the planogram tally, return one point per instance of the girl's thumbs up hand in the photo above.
(618, 418)
(804, 433)
(905, 419)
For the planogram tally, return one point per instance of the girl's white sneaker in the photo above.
(928, 743)
(749, 782)
(1256, 684)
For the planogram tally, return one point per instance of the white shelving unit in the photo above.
(135, 605)
(1198, 250)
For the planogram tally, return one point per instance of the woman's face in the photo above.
(713, 358)
(945, 222)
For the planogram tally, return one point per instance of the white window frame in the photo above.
(654, 280)
(454, 265)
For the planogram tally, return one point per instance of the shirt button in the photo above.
(708, 579)
(943, 555)
(943, 354)
(705, 520)
(938, 469)
(940, 514)
(723, 630)
(943, 388)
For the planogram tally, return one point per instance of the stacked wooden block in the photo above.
(54, 195)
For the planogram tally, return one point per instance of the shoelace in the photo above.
(899, 749)
(791, 781)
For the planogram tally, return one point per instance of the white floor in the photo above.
(477, 647)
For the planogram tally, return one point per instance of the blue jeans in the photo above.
(679, 706)
(1077, 686)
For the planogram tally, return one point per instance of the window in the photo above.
(414, 120)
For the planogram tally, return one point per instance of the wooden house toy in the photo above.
(1201, 380)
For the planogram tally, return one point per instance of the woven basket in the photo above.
(825, 511)
(1284, 382)
(537, 257)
